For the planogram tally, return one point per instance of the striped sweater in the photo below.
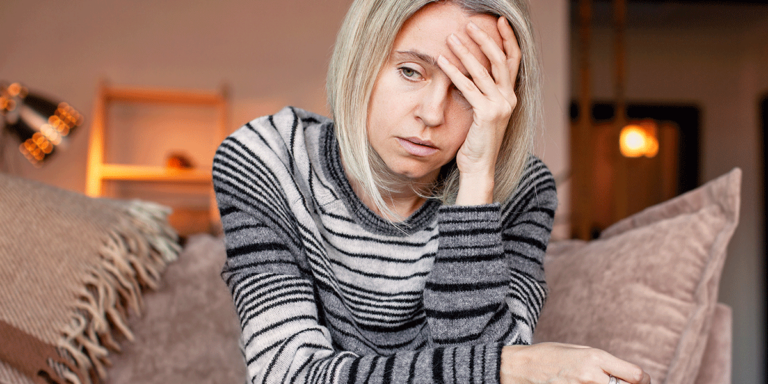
(329, 292)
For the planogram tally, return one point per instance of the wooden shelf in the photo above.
(144, 95)
(99, 172)
(153, 173)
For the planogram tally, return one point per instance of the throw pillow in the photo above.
(646, 290)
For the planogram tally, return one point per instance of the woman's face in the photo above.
(417, 119)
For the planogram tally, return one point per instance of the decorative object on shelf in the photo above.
(178, 160)
(41, 125)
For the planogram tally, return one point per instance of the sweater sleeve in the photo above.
(487, 283)
(283, 336)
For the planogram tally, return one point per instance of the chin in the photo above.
(415, 175)
(413, 171)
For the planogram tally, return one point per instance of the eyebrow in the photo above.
(419, 56)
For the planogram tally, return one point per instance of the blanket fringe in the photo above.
(133, 256)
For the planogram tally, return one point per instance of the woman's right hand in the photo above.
(565, 363)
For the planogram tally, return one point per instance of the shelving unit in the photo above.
(98, 171)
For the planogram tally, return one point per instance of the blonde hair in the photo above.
(363, 46)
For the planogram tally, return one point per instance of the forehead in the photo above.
(428, 29)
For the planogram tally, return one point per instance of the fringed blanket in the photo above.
(71, 268)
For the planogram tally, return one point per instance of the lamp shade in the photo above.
(41, 125)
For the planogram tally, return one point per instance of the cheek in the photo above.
(375, 108)
(460, 114)
(460, 120)
(380, 104)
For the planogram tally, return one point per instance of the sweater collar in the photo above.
(358, 211)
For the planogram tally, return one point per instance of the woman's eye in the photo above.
(409, 73)
(459, 94)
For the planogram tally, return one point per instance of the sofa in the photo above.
(153, 309)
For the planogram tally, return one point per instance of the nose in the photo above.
(431, 110)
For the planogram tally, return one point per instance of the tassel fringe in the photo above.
(133, 256)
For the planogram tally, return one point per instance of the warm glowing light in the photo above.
(632, 141)
(48, 130)
(51, 134)
(15, 89)
(7, 104)
(652, 148)
(639, 139)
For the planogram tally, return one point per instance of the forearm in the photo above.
(465, 293)
(480, 248)
(459, 364)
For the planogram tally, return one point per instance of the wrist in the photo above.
(475, 189)
(511, 358)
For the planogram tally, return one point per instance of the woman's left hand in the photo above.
(491, 95)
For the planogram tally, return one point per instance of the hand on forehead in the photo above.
(427, 32)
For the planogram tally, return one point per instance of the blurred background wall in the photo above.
(275, 52)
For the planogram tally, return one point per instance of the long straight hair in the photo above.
(362, 47)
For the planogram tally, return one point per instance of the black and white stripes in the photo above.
(328, 292)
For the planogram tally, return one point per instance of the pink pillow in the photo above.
(646, 290)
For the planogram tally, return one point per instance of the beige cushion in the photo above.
(716, 362)
(646, 290)
(190, 331)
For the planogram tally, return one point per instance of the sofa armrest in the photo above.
(716, 362)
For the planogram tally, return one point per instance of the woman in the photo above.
(402, 241)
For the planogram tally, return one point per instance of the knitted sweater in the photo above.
(329, 292)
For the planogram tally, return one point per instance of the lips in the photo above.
(416, 147)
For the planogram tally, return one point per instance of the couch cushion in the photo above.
(646, 290)
(189, 332)
(716, 362)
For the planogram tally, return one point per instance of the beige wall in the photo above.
(723, 71)
(550, 18)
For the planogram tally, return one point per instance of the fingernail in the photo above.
(454, 39)
(442, 60)
(473, 26)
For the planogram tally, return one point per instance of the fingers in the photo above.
(462, 83)
(567, 363)
(503, 67)
(511, 47)
(481, 80)
(624, 370)
(646, 380)
(494, 54)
